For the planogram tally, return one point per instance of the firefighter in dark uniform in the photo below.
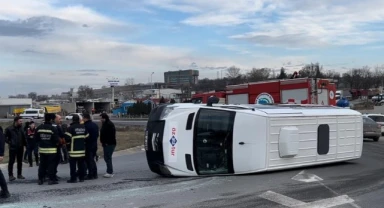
(47, 138)
(75, 137)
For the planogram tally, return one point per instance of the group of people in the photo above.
(48, 139)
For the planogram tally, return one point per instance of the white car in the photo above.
(69, 117)
(378, 118)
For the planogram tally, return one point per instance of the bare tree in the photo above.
(233, 72)
(129, 81)
(256, 75)
(332, 74)
(312, 71)
(378, 76)
(32, 95)
(366, 76)
(360, 78)
(283, 74)
(85, 92)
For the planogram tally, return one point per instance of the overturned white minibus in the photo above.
(195, 139)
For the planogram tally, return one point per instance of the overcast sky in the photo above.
(48, 46)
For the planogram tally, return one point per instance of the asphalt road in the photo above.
(116, 121)
(349, 184)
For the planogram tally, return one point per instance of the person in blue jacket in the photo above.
(91, 146)
(3, 184)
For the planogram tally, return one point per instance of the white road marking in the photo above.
(334, 192)
(294, 203)
(330, 202)
(306, 177)
(281, 199)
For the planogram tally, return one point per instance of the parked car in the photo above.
(378, 118)
(371, 129)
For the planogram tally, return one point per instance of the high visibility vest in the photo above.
(46, 146)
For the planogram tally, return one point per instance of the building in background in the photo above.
(181, 77)
(11, 106)
(165, 93)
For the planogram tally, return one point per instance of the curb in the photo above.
(129, 151)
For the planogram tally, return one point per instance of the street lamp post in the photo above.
(113, 82)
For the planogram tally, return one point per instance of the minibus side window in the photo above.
(213, 141)
(323, 139)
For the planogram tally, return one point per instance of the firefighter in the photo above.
(47, 138)
(75, 137)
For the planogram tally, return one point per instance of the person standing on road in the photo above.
(108, 141)
(75, 137)
(15, 138)
(3, 184)
(32, 146)
(91, 146)
(57, 124)
(64, 157)
(48, 139)
(26, 126)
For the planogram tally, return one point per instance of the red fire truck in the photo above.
(203, 97)
(299, 91)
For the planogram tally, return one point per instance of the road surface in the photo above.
(349, 184)
(116, 121)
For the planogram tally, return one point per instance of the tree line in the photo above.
(355, 78)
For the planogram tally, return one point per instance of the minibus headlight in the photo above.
(165, 113)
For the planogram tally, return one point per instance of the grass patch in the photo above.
(127, 137)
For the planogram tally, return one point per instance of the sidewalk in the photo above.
(115, 154)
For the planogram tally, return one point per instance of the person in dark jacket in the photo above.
(64, 157)
(108, 141)
(3, 184)
(31, 144)
(91, 146)
(57, 124)
(76, 137)
(15, 138)
(26, 126)
(47, 137)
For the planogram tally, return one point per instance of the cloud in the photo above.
(91, 70)
(290, 24)
(24, 9)
(89, 74)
